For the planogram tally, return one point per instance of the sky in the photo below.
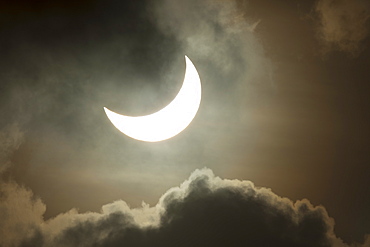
(277, 155)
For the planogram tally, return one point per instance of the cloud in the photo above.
(343, 24)
(205, 210)
(20, 213)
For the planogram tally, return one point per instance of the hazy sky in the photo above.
(277, 155)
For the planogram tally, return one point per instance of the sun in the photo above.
(170, 120)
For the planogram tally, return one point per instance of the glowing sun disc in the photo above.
(170, 120)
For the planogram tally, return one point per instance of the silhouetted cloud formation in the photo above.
(343, 23)
(204, 211)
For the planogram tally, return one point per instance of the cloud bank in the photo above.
(343, 24)
(205, 210)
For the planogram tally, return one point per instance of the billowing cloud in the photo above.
(205, 210)
(343, 24)
(20, 213)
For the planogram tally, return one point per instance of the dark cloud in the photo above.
(204, 211)
(344, 24)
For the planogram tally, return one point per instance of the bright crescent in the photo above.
(170, 120)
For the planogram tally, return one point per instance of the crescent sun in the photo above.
(170, 120)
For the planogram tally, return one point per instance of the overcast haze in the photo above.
(277, 155)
